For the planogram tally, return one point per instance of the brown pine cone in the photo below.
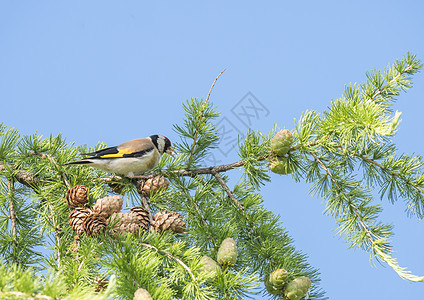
(77, 196)
(93, 224)
(164, 221)
(142, 216)
(77, 217)
(130, 222)
(153, 185)
(100, 284)
(108, 205)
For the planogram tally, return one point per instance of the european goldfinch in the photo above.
(131, 158)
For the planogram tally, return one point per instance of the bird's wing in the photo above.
(133, 148)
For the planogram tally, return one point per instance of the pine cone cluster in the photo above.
(225, 258)
(107, 211)
(277, 283)
(93, 221)
(164, 221)
(153, 185)
(280, 145)
(77, 196)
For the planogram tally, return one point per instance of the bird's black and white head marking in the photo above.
(161, 143)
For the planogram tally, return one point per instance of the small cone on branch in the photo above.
(297, 288)
(280, 165)
(94, 224)
(108, 205)
(278, 278)
(209, 266)
(281, 142)
(172, 220)
(142, 294)
(77, 217)
(77, 196)
(100, 284)
(270, 287)
(227, 253)
(153, 185)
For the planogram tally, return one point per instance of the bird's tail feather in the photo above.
(78, 162)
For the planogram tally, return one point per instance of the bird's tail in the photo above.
(78, 162)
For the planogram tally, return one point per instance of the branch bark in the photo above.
(10, 186)
(23, 177)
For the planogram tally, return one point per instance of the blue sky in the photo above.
(112, 71)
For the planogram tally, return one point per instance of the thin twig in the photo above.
(53, 161)
(78, 272)
(379, 91)
(393, 173)
(213, 84)
(230, 193)
(190, 158)
(171, 257)
(196, 207)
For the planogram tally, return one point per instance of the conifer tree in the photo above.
(183, 231)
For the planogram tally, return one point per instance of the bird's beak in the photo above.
(171, 151)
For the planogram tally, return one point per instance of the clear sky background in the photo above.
(117, 70)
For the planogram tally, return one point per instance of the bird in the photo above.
(131, 158)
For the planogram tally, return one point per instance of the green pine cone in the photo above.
(272, 289)
(227, 253)
(281, 142)
(142, 294)
(297, 288)
(280, 165)
(278, 278)
(209, 266)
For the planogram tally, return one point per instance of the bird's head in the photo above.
(163, 144)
